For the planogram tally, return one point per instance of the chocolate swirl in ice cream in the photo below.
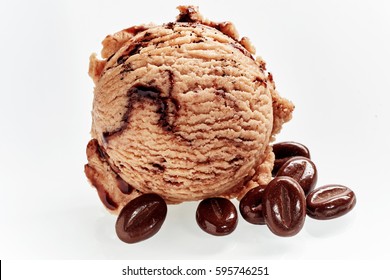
(184, 110)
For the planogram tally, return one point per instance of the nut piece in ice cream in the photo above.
(183, 110)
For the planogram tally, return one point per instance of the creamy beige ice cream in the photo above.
(183, 110)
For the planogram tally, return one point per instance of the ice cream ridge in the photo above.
(183, 110)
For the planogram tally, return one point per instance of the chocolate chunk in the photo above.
(135, 49)
(122, 59)
(93, 148)
(101, 151)
(109, 58)
(141, 218)
(136, 29)
(186, 15)
(159, 167)
(236, 160)
(217, 216)
(92, 175)
(170, 25)
(284, 206)
(242, 49)
(329, 202)
(302, 170)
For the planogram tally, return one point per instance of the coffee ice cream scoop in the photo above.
(183, 110)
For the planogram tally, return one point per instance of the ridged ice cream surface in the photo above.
(182, 109)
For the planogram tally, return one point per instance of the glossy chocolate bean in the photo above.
(285, 150)
(141, 218)
(284, 206)
(329, 202)
(302, 170)
(217, 216)
(251, 206)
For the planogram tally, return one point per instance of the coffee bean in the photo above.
(329, 202)
(124, 187)
(284, 206)
(141, 218)
(302, 170)
(285, 150)
(251, 206)
(217, 216)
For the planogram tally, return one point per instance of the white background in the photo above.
(331, 58)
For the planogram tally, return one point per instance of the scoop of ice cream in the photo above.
(183, 110)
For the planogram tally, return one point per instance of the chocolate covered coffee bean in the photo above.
(217, 216)
(141, 218)
(285, 150)
(329, 202)
(284, 206)
(251, 206)
(302, 170)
